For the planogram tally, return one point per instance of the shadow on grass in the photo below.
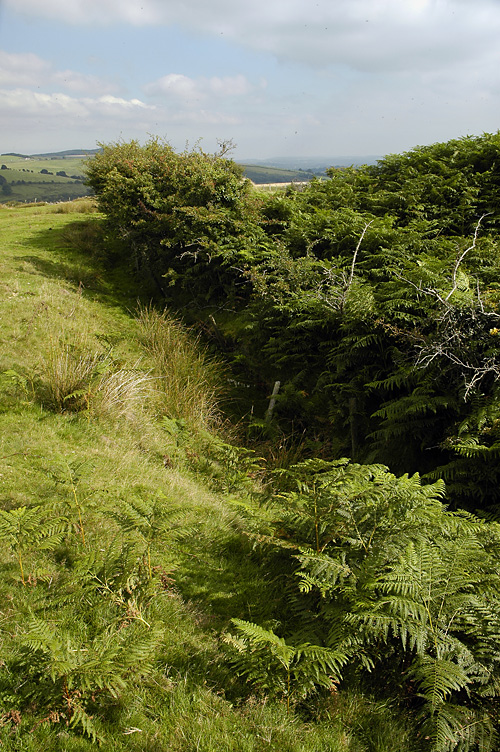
(227, 581)
(80, 254)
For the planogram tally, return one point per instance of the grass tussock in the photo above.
(121, 394)
(188, 381)
(76, 377)
(65, 374)
(86, 205)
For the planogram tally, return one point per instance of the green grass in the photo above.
(91, 461)
(71, 165)
(42, 187)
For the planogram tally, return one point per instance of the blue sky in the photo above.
(278, 77)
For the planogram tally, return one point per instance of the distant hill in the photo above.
(312, 165)
(68, 153)
(266, 174)
(315, 165)
(24, 187)
(298, 169)
(55, 154)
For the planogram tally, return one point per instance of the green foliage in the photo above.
(386, 576)
(25, 528)
(64, 676)
(373, 298)
(182, 215)
(277, 668)
(154, 521)
(382, 275)
(230, 468)
(141, 656)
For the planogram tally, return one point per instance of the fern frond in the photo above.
(80, 718)
(437, 678)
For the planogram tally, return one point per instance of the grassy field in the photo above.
(125, 526)
(26, 182)
(72, 165)
(260, 175)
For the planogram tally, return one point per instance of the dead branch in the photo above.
(462, 256)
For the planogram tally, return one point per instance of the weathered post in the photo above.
(272, 401)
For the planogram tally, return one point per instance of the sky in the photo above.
(277, 77)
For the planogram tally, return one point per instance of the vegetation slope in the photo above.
(126, 539)
(319, 592)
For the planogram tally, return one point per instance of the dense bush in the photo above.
(373, 296)
(183, 216)
(380, 578)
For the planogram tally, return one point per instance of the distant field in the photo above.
(260, 175)
(73, 164)
(25, 181)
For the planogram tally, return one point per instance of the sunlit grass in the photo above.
(85, 385)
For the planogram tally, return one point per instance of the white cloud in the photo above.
(355, 76)
(364, 34)
(31, 71)
(33, 103)
(176, 85)
(22, 69)
(128, 103)
(195, 90)
(29, 118)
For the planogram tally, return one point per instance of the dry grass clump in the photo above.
(189, 381)
(76, 377)
(64, 375)
(86, 205)
(121, 394)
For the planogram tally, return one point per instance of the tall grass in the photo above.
(78, 376)
(64, 374)
(189, 381)
(84, 205)
(121, 394)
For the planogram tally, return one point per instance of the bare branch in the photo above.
(351, 276)
(425, 290)
(226, 146)
(462, 256)
(344, 282)
(454, 281)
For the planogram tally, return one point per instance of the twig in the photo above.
(351, 276)
(463, 255)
